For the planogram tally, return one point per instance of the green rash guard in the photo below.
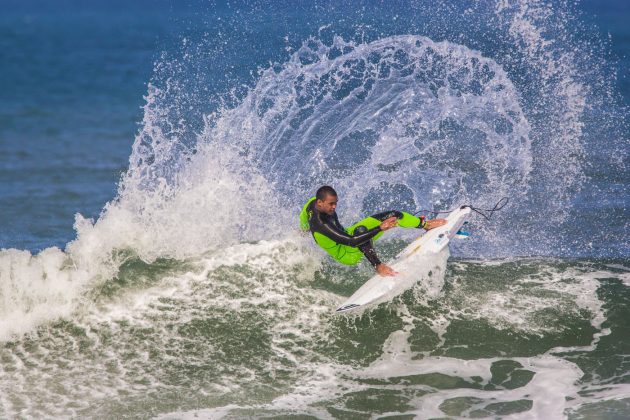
(348, 246)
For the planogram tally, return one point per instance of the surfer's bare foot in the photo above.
(432, 224)
(385, 270)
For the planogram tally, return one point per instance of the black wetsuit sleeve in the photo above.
(368, 250)
(328, 229)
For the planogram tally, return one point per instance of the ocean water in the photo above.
(154, 157)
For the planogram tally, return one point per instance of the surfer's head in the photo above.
(326, 199)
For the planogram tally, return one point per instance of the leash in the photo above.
(486, 213)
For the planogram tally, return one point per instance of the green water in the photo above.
(258, 338)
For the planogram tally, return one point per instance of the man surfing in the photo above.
(348, 246)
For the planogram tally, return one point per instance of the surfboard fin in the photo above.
(462, 235)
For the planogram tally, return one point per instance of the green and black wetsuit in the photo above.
(349, 245)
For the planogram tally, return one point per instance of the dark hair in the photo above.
(324, 192)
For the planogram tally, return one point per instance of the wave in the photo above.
(197, 248)
(501, 336)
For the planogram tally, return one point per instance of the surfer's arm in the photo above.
(333, 230)
(343, 238)
(370, 254)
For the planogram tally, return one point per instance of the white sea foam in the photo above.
(35, 289)
(531, 303)
(552, 389)
(218, 201)
(125, 334)
(553, 380)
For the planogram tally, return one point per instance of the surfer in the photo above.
(348, 246)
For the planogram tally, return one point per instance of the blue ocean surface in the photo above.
(73, 78)
(154, 156)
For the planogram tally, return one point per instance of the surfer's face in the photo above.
(328, 204)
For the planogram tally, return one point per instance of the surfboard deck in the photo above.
(379, 288)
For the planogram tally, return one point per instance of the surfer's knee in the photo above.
(359, 230)
(351, 257)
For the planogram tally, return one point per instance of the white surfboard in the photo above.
(380, 288)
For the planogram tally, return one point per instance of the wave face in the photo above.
(250, 332)
(193, 296)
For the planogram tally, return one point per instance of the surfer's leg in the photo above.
(349, 255)
(405, 220)
(342, 253)
(367, 248)
(364, 225)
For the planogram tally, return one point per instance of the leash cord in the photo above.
(486, 213)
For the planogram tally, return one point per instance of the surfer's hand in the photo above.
(385, 270)
(432, 224)
(389, 223)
